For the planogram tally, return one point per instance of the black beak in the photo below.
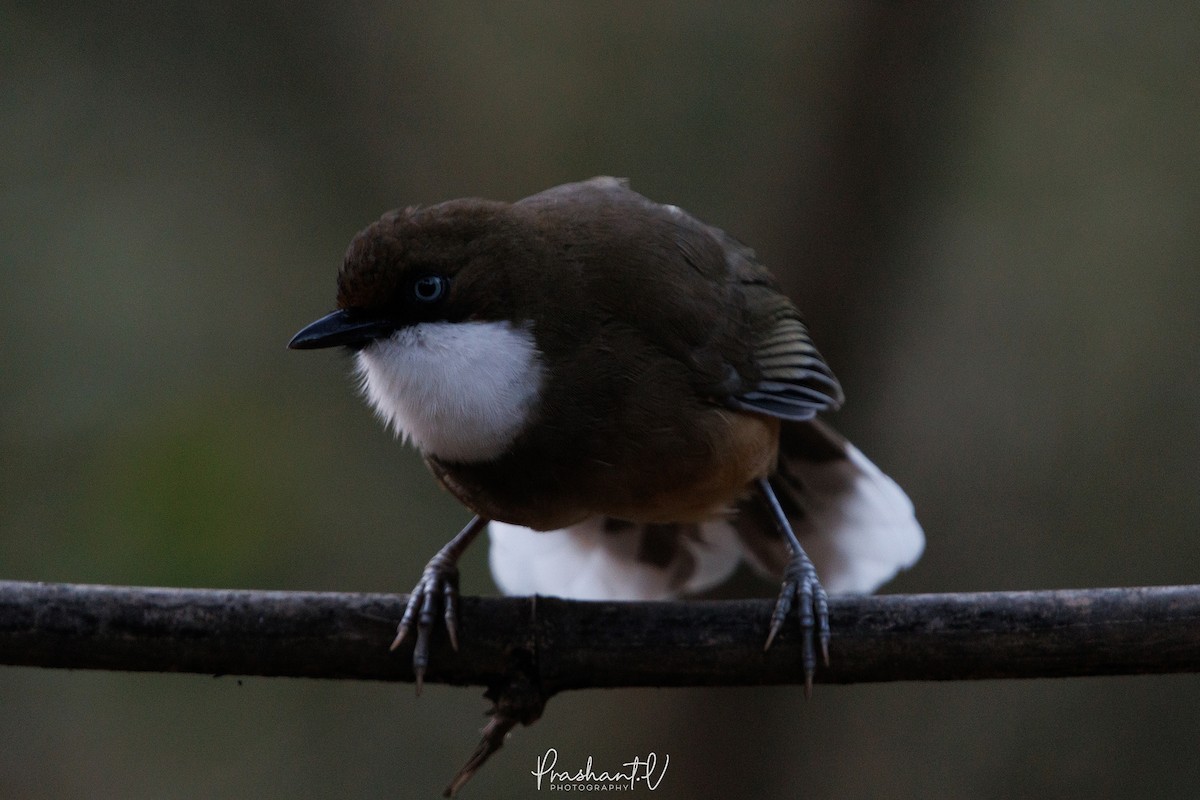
(342, 328)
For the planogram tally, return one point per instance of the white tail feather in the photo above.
(858, 525)
(588, 562)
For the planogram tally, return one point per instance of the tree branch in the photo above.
(561, 644)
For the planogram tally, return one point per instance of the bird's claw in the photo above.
(438, 586)
(800, 583)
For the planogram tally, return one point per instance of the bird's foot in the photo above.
(802, 588)
(438, 587)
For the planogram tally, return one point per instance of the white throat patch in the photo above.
(460, 391)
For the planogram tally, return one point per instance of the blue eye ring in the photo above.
(430, 288)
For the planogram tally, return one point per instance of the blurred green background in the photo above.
(988, 212)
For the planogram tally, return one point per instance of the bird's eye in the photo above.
(429, 288)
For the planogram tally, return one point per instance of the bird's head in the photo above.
(432, 303)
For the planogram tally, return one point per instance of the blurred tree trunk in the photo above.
(895, 107)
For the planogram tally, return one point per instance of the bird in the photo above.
(623, 395)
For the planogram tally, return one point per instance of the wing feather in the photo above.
(794, 381)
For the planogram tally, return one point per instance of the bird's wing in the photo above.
(787, 378)
(794, 381)
(716, 307)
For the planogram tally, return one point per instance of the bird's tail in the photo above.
(607, 559)
(854, 522)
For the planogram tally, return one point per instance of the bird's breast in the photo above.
(459, 391)
(688, 474)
